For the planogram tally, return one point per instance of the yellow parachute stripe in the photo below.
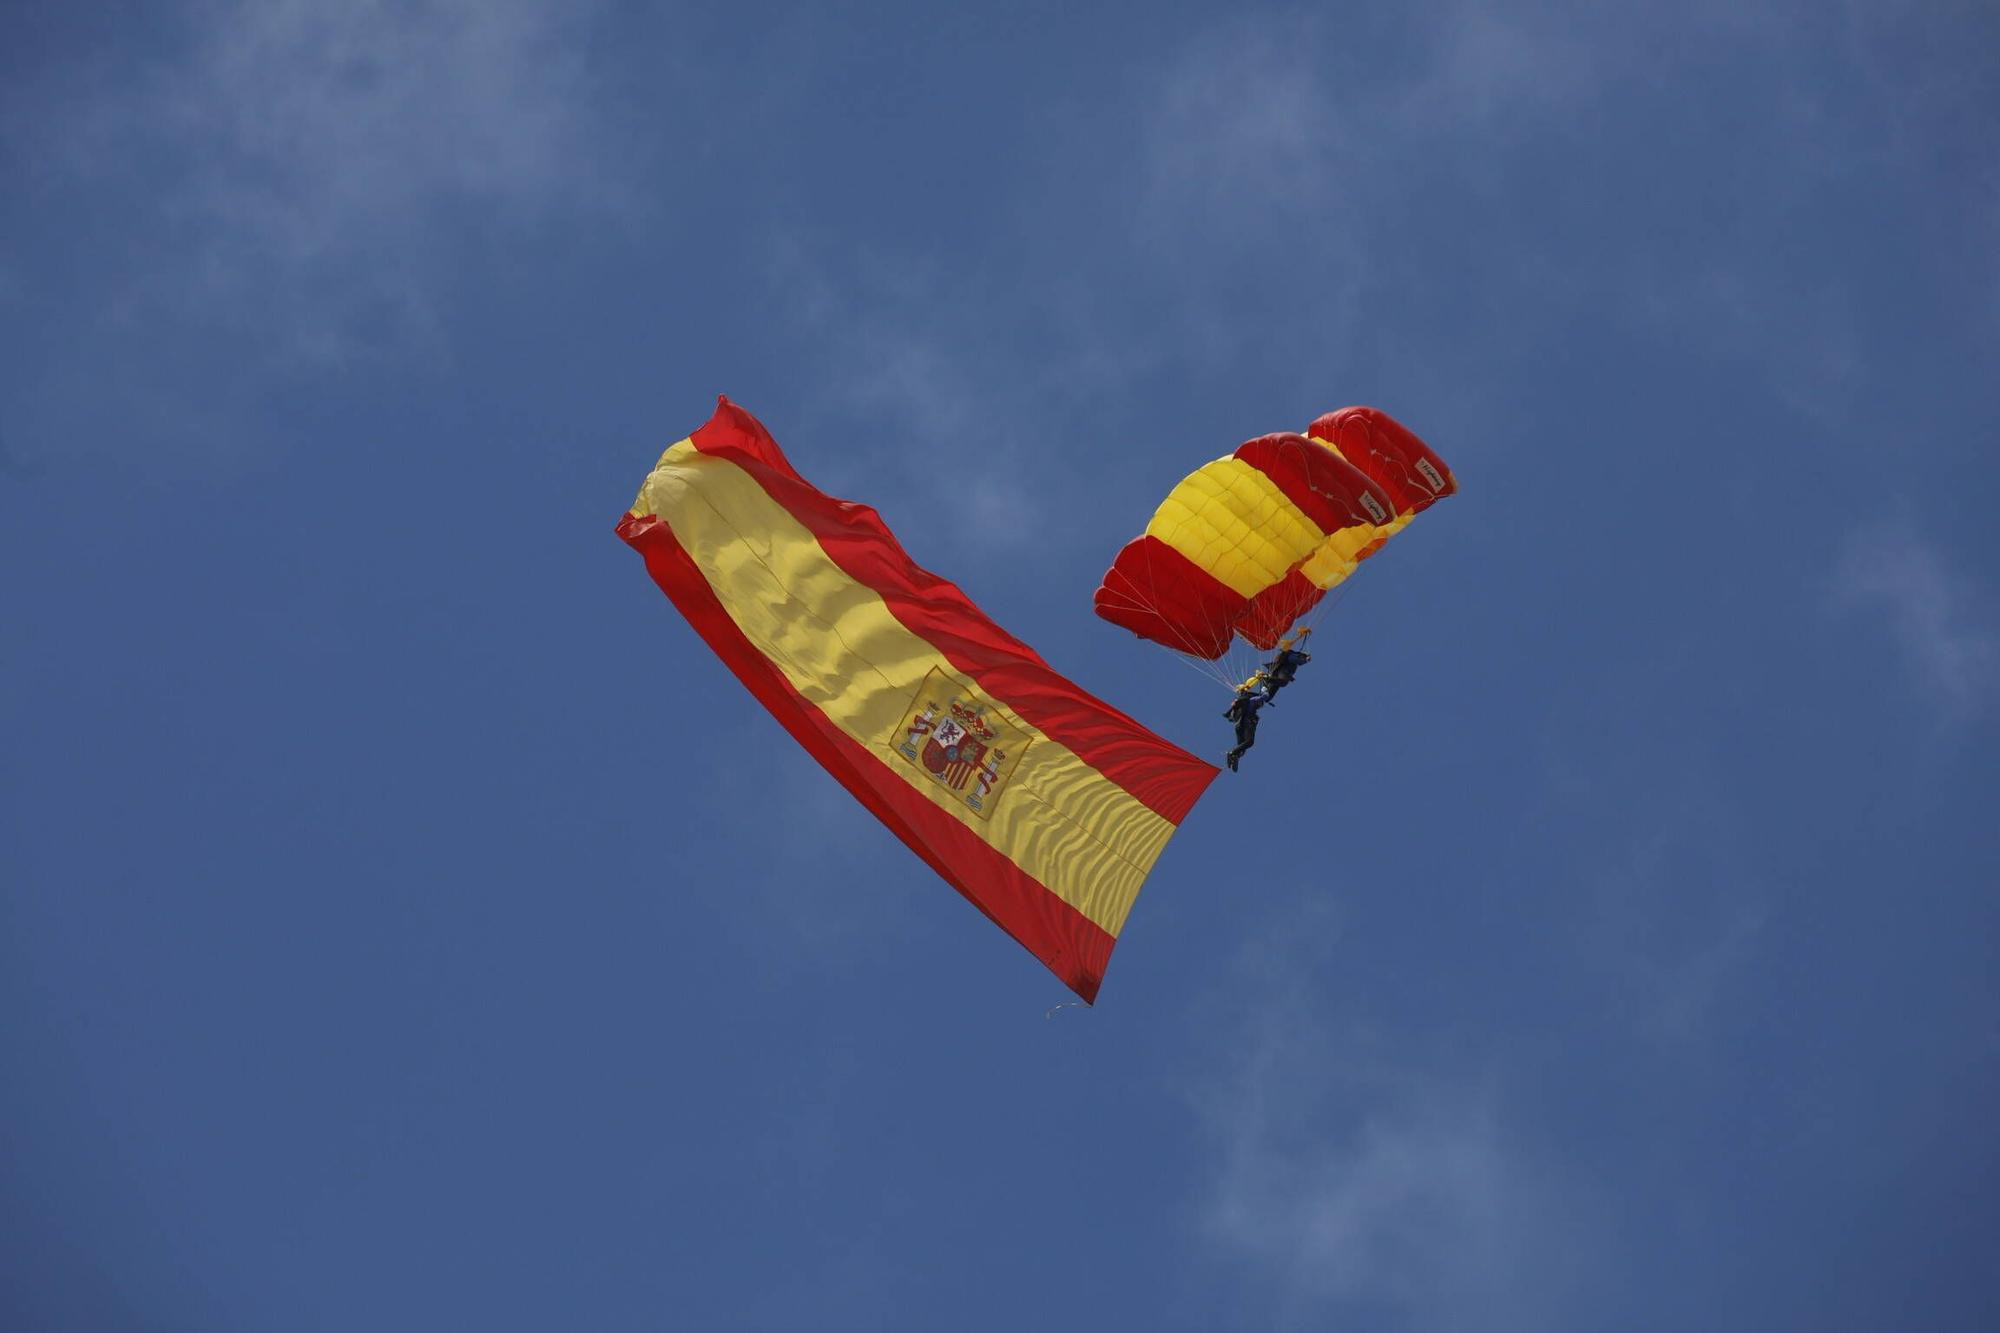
(1233, 521)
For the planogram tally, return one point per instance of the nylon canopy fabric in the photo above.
(1248, 543)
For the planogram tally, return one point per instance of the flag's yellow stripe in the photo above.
(838, 643)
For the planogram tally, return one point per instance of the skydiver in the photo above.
(1278, 672)
(1250, 700)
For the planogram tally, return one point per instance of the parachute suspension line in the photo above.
(1206, 667)
(1310, 620)
(1141, 601)
(1216, 670)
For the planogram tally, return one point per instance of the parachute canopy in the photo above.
(1042, 804)
(1249, 543)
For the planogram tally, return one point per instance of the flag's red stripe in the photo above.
(1159, 774)
(1068, 943)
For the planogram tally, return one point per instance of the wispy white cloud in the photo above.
(1246, 124)
(11, 463)
(1506, 67)
(1354, 1173)
(1227, 207)
(1653, 874)
(1672, 919)
(1880, 109)
(1943, 621)
(813, 833)
(311, 165)
(1247, 214)
(1285, 173)
(952, 400)
(1272, 122)
(1259, 193)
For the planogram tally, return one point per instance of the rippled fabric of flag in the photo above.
(1043, 805)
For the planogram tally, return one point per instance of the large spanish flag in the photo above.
(1043, 805)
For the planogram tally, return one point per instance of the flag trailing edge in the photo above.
(1043, 805)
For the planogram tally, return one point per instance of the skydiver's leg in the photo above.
(1246, 736)
(1237, 753)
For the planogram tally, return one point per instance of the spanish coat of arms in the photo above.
(959, 741)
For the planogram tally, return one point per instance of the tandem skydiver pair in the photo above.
(1261, 689)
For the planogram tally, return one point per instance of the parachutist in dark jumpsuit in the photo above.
(1250, 700)
(1278, 672)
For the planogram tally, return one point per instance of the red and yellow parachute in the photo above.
(1248, 544)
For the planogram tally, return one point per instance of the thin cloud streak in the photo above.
(1675, 923)
(948, 403)
(1352, 1175)
(1942, 621)
(1248, 170)
(1239, 189)
(308, 155)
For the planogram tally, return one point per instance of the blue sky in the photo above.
(409, 925)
